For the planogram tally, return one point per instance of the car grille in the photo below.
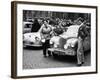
(70, 52)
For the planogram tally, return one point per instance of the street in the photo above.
(33, 59)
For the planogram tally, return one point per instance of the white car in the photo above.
(32, 39)
(66, 43)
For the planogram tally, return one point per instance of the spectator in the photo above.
(36, 26)
(82, 34)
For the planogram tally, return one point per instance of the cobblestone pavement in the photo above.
(33, 59)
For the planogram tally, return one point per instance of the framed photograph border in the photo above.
(14, 37)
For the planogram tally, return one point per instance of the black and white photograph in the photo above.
(56, 39)
(53, 39)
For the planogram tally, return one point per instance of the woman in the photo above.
(45, 33)
(36, 26)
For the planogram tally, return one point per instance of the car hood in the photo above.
(31, 36)
(72, 31)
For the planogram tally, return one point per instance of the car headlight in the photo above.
(43, 40)
(72, 45)
(55, 45)
(51, 42)
(36, 39)
(65, 46)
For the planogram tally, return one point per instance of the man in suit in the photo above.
(83, 32)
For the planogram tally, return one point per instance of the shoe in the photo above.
(79, 64)
(82, 62)
(45, 56)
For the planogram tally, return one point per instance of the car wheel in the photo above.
(55, 55)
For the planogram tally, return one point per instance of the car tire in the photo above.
(54, 55)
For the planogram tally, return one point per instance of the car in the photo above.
(27, 26)
(32, 39)
(66, 43)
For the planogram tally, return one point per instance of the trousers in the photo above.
(46, 45)
(80, 51)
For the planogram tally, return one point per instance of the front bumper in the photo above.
(25, 44)
(70, 51)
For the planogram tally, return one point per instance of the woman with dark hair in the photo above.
(36, 26)
(45, 34)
